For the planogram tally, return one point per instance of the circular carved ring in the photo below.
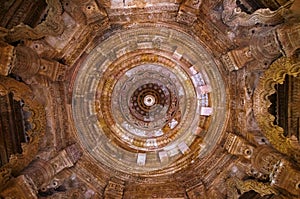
(142, 104)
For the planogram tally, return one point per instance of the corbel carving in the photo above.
(233, 16)
(266, 87)
(53, 25)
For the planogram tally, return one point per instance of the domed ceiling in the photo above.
(145, 98)
(182, 99)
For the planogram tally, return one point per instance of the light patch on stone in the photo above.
(163, 156)
(206, 111)
(177, 54)
(183, 147)
(173, 123)
(193, 70)
(141, 159)
(205, 89)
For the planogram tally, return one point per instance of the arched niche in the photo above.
(34, 122)
(274, 76)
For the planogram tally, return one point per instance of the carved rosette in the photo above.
(37, 120)
(266, 87)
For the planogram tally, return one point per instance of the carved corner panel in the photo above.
(37, 120)
(266, 87)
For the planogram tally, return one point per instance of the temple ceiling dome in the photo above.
(148, 99)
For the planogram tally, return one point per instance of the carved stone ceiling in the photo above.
(151, 99)
(142, 99)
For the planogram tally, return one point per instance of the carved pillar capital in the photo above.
(25, 62)
(263, 48)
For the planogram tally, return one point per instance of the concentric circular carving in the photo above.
(144, 100)
(136, 125)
